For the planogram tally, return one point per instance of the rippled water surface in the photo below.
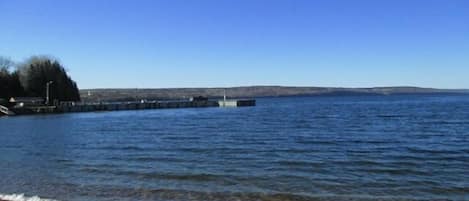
(306, 148)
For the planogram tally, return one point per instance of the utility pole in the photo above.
(47, 91)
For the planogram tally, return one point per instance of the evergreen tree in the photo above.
(35, 73)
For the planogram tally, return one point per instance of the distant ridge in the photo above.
(251, 91)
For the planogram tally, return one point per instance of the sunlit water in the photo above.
(305, 148)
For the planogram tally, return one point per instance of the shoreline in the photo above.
(22, 197)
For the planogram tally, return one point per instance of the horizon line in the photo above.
(285, 86)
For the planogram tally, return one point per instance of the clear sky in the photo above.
(209, 43)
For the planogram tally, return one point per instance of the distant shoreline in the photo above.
(130, 94)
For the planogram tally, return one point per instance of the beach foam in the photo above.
(21, 197)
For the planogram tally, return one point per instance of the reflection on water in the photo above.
(305, 148)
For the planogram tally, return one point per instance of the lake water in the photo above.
(304, 148)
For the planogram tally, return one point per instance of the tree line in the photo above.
(29, 78)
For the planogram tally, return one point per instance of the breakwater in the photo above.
(116, 106)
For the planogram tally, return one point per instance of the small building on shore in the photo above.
(27, 101)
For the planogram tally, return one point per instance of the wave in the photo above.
(123, 148)
(390, 116)
(21, 197)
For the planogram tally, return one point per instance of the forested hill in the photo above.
(251, 91)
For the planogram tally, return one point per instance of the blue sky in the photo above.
(209, 43)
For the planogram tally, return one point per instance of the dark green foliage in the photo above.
(10, 85)
(37, 71)
(31, 77)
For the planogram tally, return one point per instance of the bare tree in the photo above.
(9, 80)
(5, 64)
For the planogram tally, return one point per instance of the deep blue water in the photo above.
(304, 148)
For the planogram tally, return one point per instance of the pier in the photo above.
(5, 111)
(117, 106)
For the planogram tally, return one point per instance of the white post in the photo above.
(47, 91)
(224, 97)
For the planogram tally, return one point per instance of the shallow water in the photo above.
(305, 148)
